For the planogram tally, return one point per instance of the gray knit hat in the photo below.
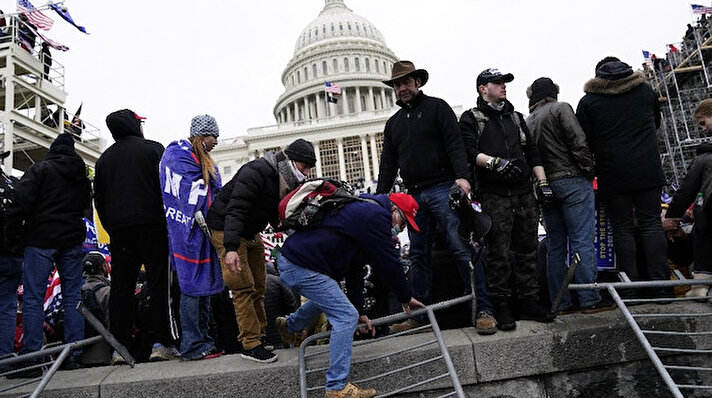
(301, 151)
(203, 125)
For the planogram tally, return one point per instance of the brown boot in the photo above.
(485, 323)
(351, 391)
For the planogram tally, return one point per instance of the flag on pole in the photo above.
(330, 98)
(52, 43)
(699, 9)
(64, 13)
(332, 88)
(33, 15)
(646, 56)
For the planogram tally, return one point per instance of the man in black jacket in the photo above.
(240, 212)
(51, 199)
(620, 115)
(10, 267)
(422, 140)
(130, 206)
(570, 219)
(499, 145)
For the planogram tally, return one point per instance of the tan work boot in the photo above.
(408, 324)
(351, 391)
(699, 290)
(287, 338)
(485, 323)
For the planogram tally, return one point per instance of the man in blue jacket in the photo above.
(313, 261)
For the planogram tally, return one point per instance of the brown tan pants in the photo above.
(248, 287)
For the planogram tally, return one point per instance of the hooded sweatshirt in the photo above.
(127, 189)
(51, 199)
(358, 227)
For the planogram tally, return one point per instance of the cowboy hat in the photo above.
(406, 68)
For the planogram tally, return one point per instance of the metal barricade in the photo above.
(35, 360)
(670, 340)
(389, 355)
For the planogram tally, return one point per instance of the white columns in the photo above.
(375, 156)
(318, 158)
(295, 111)
(306, 108)
(320, 108)
(357, 100)
(290, 118)
(366, 168)
(342, 164)
(369, 100)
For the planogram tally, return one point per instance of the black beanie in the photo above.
(301, 151)
(92, 262)
(62, 140)
(542, 87)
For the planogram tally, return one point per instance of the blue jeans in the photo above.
(325, 296)
(571, 219)
(36, 270)
(434, 207)
(194, 317)
(10, 275)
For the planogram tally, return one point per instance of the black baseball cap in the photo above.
(491, 75)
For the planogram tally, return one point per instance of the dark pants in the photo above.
(514, 228)
(10, 275)
(130, 248)
(644, 207)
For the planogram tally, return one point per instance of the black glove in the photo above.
(504, 168)
(544, 194)
(457, 197)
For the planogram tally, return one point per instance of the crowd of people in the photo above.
(166, 209)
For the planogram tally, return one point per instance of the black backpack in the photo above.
(307, 205)
(92, 304)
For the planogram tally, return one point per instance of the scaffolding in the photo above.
(681, 81)
(32, 97)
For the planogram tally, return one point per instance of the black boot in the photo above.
(503, 315)
(529, 309)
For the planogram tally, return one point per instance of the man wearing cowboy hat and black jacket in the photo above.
(423, 141)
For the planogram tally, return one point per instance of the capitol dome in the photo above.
(337, 21)
(343, 48)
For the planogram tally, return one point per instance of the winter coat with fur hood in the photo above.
(127, 191)
(620, 115)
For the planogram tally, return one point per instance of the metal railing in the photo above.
(390, 355)
(35, 360)
(644, 336)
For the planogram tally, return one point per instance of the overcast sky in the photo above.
(170, 61)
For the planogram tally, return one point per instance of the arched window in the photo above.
(357, 65)
(375, 63)
(306, 75)
(385, 70)
(368, 65)
(341, 27)
(323, 29)
(324, 71)
(299, 77)
(336, 66)
(346, 64)
(332, 27)
(314, 74)
(292, 80)
(349, 25)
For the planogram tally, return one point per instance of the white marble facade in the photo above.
(344, 48)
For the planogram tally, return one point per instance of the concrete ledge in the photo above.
(577, 355)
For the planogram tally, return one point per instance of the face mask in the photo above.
(300, 177)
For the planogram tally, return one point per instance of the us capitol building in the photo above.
(344, 48)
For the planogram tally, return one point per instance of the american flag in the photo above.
(699, 9)
(33, 15)
(332, 88)
(646, 56)
(269, 246)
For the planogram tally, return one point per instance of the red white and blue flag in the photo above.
(646, 56)
(700, 9)
(332, 88)
(33, 15)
